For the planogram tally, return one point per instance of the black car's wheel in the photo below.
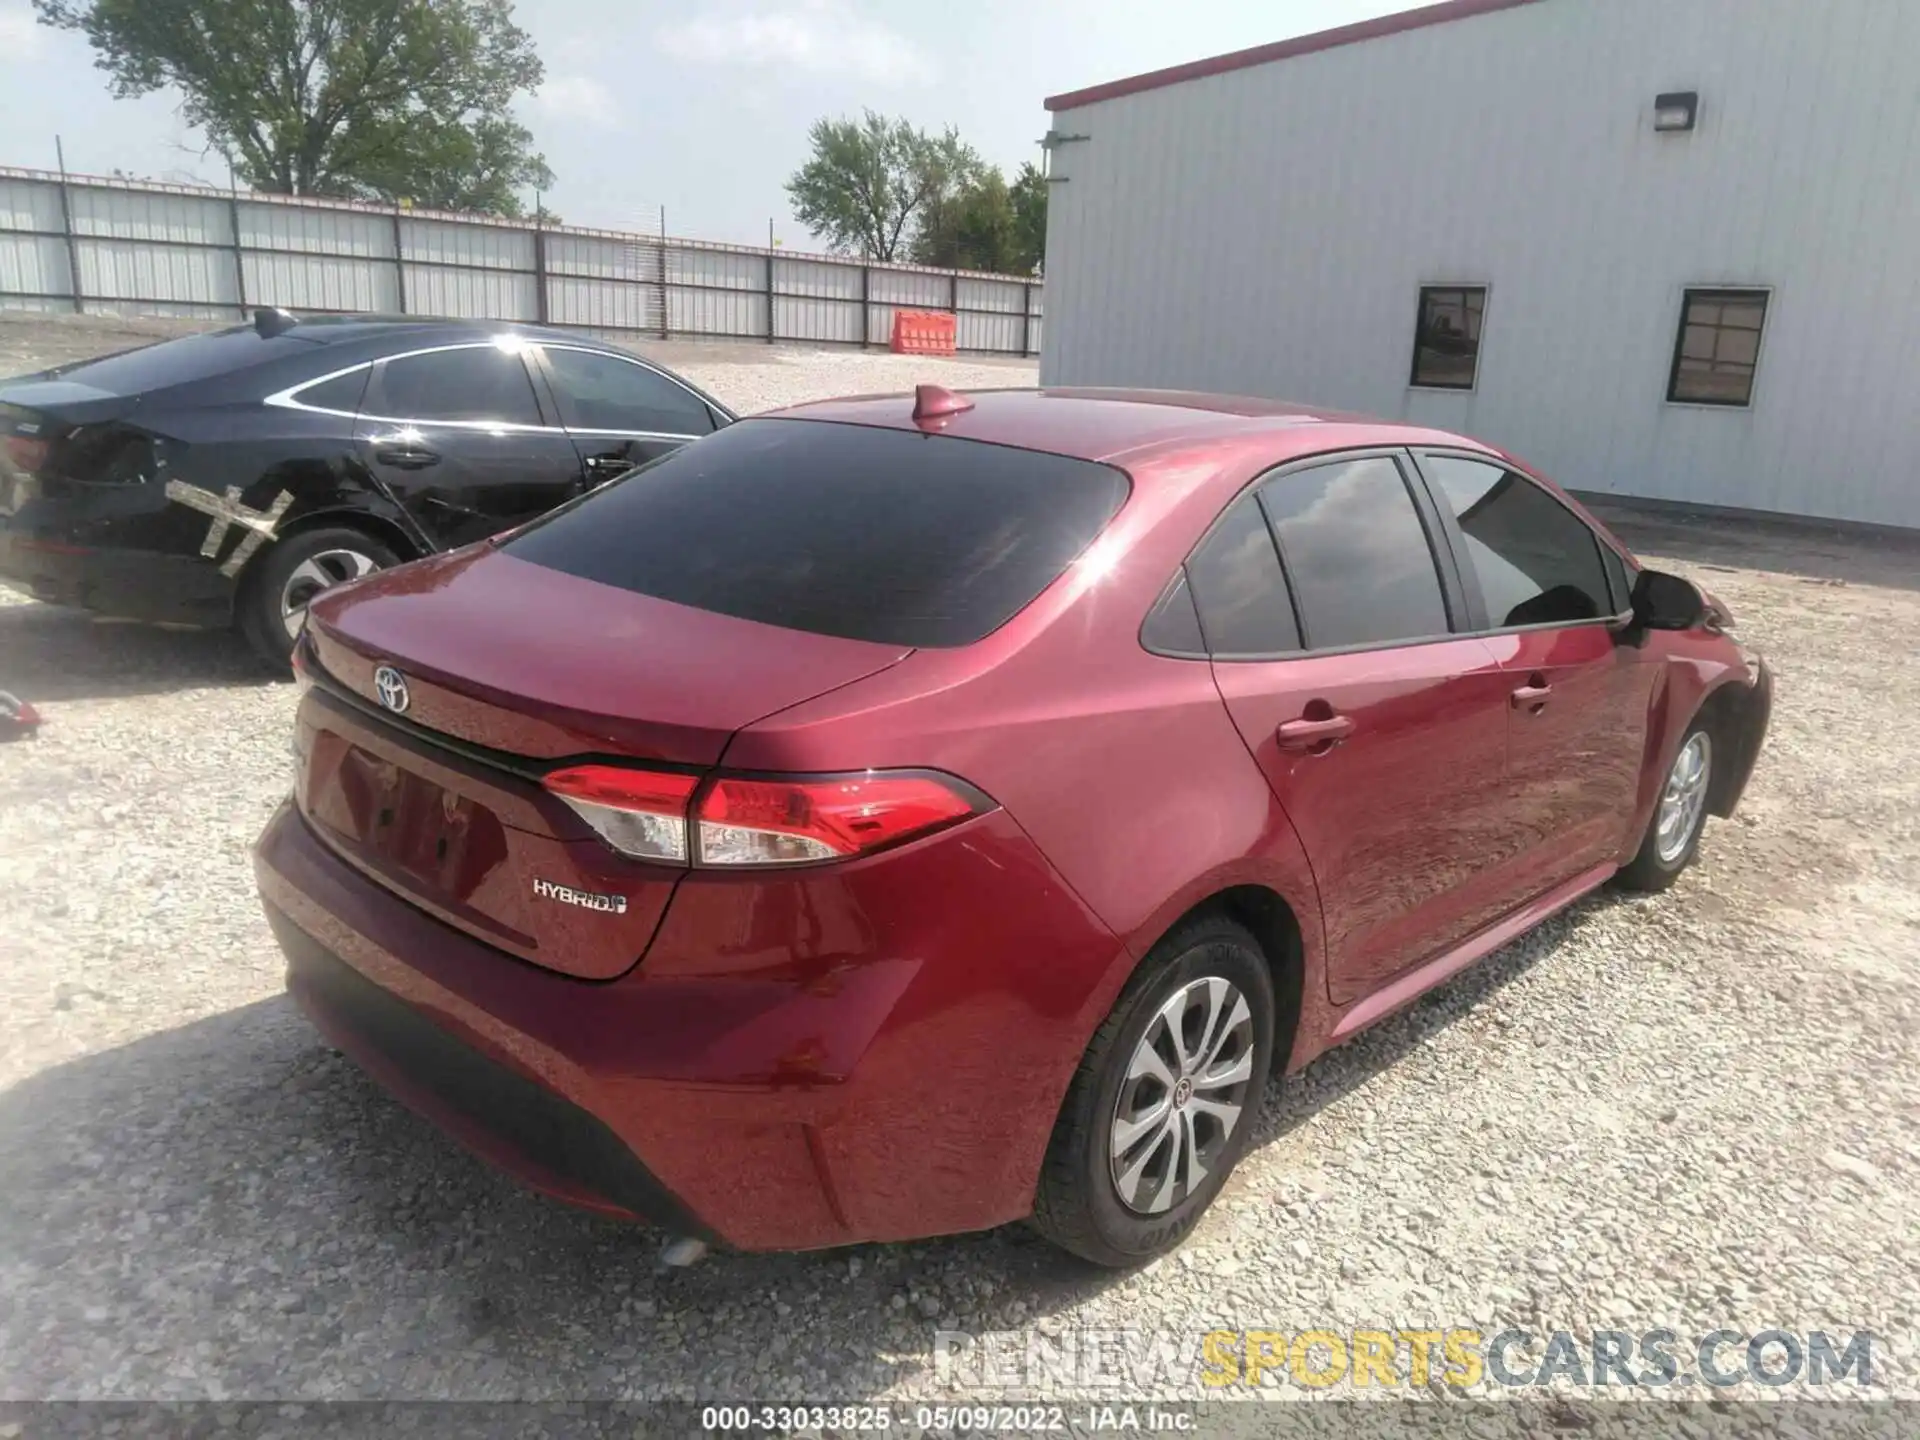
(1673, 831)
(277, 590)
(1165, 1099)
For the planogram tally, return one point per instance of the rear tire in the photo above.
(1679, 816)
(274, 594)
(1143, 1143)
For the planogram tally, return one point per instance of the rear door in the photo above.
(619, 411)
(1537, 580)
(1381, 732)
(458, 434)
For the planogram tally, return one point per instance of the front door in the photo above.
(620, 411)
(1578, 697)
(458, 436)
(1382, 734)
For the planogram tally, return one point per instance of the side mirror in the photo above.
(1667, 602)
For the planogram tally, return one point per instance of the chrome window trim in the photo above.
(289, 399)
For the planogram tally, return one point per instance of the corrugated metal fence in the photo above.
(73, 243)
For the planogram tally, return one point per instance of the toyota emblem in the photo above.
(390, 687)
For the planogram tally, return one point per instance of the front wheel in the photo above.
(1165, 1100)
(1673, 832)
(277, 591)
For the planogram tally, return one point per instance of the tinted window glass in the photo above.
(479, 383)
(176, 362)
(1237, 584)
(603, 392)
(849, 530)
(341, 393)
(1537, 562)
(1356, 553)
(1173, 628)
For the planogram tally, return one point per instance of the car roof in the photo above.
(1112, 425)
(348, 329)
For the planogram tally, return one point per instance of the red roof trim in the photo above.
(1284, 50)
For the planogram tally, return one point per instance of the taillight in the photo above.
(782, 822)
(754, 821)
(642, 813)
(26, 453)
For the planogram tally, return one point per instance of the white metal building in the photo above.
(1659, 248)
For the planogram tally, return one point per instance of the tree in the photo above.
(870, 182)
(973, 229)
(1029, 199)
(375, 99)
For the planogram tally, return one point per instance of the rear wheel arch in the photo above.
(389, 533)
(1266, 915)
(257, 610)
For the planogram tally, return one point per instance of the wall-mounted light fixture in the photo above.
(1676, 111)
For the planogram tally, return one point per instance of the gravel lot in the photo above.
(1697, 1110)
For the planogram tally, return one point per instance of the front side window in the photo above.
(1718, 347)
(479, 383)
(1537, 562)
(1356, 554)
(604, 392)
(1446, 342)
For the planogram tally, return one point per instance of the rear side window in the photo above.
(341, 393)
(849, 530)
(182, 361)
(1357, 554)
(1537, 562)
(481, 382)
(1237, 585)
(604, 392)
(1173, 626)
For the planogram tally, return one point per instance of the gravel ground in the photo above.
(1696, 1110)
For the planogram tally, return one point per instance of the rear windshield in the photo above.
(848, 530)
(178, 362)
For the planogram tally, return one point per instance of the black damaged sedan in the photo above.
(225, 479)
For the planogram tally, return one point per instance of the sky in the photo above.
(702, 106)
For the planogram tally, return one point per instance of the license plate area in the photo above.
(445, 843)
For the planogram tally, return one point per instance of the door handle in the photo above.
(406, 457)
(1532, 697)
(607, 467)
(1306, 734)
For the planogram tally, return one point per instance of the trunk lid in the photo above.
(509, 668)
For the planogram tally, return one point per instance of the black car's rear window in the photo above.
(180, 362)
(848, 530)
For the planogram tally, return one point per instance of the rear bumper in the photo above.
(868, 1052)
(39, 557)
(512, 1120)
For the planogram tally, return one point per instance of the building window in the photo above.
(1718, 346)
(1446, 338)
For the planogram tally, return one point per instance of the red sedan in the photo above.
(898, 816)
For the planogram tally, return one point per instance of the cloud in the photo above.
(20, 36)
(822, 37)
(577, 97)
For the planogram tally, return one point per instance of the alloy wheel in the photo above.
(1684, 800)
(1184, 1095)
(319, 572)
